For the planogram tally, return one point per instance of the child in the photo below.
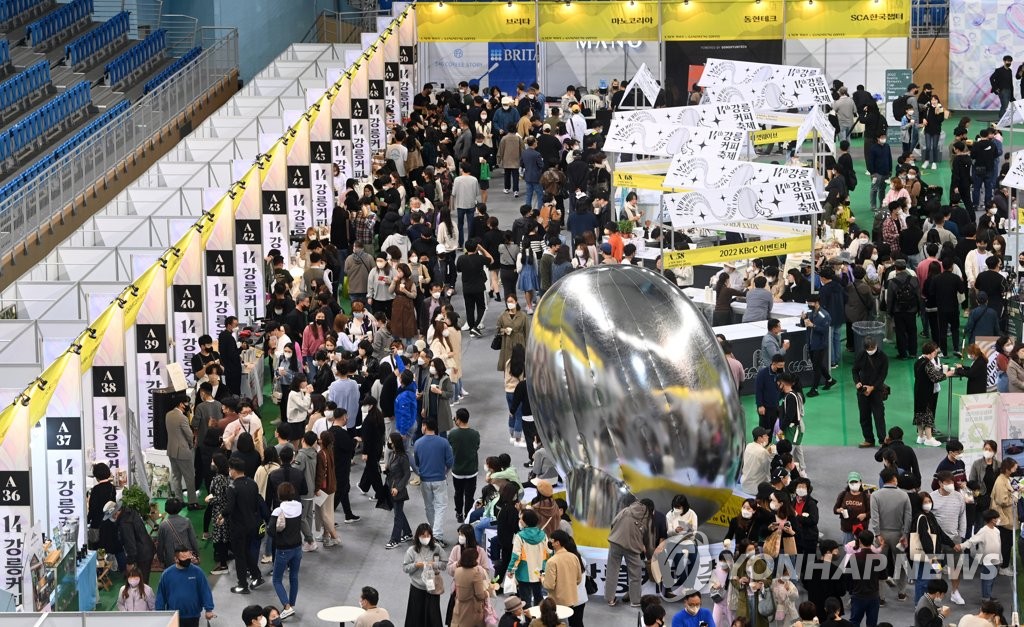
(987, 547)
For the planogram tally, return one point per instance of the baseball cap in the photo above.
(546, 127)
(853, 476)
(506, 100)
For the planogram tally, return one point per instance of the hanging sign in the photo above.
(645, 138)
(749, 250)
(788, 94)
(15, 502)
(713, 206)
(729, 116)
(711, 173)
(298, 198)
(360, 110)
(219, 261)
(187, 303)
(480, 22)
(389, 50)
(407, 60)
(273, 182)
(721, 20)
(857, 19)
(729, 72)
(249, 285)
(341, 129)
(150, 333)
(774, 135)
(597, 21)
(110, 396)
(376, 106)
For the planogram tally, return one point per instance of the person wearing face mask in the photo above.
(1015, 369)
(819, 325)
(891, 519)
(983, 474)
(512, 325)
(253, 616)
(950, 513)
(1001, 82)
(805, 508)
(879, 166)
(741, 526)
(986, 547)
(1003, 502)
(870, 369)
(437, 405)
(692, 614)
(423, 561)
(953, 463)
(757, 458)
(184, 589)
(853, 506)
(136, 596)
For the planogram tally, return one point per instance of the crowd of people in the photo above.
(379, 382)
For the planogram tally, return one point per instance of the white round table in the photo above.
(563, 611)
(340, 614)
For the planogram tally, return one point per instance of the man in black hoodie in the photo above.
(243, 512)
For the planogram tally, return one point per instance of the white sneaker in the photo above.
(935, 166)
(465, 326)
(520, 444)
(1006, 572)
(956, 598)
(266, 559)
(308, 547)
(932, 442)
(511, 440)
(288, 613)
(925, 164)
(920, 439)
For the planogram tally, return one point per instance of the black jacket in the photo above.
(138, 545)
(243, 508)
(945, 288)
(870, 369)
(288, 473)
(906, 458)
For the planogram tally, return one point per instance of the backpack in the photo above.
(906, 295)
(899, 107)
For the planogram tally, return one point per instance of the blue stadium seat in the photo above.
(94, 41)
(127, 63)
(19, 87)
(53, 24)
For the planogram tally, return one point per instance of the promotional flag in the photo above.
(711, 173)
(407, 49)
(645, 138)
(150, 332)
(341, 129)
(109, 391)
(65, 461)
(297, 140)
(219, 261)
(389, 47)
(726, 72)
(187, 301)
(246, 198)
(321, 179)
(730, 116)
(273, 203)
(375, 91)
(714, 206)
(360, 111)
(16, 501)
(789, 93)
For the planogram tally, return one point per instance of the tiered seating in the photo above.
(128, 65)
(55, 25)
(10, 10)
(18, 91)
(5, 52)
(59, 113)
(172, 69)
(97, 42)
(64, 149)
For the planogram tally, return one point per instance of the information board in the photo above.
(896, 82)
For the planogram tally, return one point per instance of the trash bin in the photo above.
(867, 328)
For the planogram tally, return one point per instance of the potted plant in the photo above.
(626, 228)
(135, 498)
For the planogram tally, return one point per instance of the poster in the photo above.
(388, 47)
(509, 64)
(684, 60)
(722, 20)
(711, 173)
(757, 202)
(734, 252)
(246, 199)
(647, 138)
(980, 34)
(63, 434)
(187, 304)
(789, 93)
(731, 116)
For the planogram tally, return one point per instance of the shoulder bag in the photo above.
(916, 550)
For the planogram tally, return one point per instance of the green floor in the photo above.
(832, 418)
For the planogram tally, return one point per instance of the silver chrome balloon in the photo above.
(631, 393)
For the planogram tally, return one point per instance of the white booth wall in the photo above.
(853, 61)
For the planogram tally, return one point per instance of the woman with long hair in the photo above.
(326, 483)
(723, 300)
(448, 237)
(286, 368)
(928, 373)
(513, 326)
(515, 371)
(297, 408)
(398, 475)
(466, 543)
(437, 405)
(217, 502)
(507, 523)
(403, 307)
(423, 560)
(1004, 346)
(135, 594)
(508, 254)
(797, 288)
(271, 462)
(313, 339)
(548, 615)
(373, 434)
(471, 593)
(287, 521)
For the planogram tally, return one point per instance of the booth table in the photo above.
(88, 587)
(779, 310)
(340, 614)
(563, 611)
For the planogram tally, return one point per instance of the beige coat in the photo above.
(510, 149)
(1002, 500)
(471, 594)
(562, 577)
(519, 323)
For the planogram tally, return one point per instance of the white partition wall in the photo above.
(853, 61)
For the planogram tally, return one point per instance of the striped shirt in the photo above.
(951, 514)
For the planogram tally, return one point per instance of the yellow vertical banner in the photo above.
(601, 21)
(851, 19)
(718, 20)
(476, 21)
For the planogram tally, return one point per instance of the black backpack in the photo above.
(906, 295)
(899, 107)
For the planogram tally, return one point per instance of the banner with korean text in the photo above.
(646, 138)
(721, 20)
(187, 302)
(298, 199)
(374, 64)
(598, 21)
(273, 203)
(407, 53)
(110, 393)
(836, 19)
(150, 336)
(16, 499)
(703, 207)
(219, 259)
(320, 176)
(476, 22)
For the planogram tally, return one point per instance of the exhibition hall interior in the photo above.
(735, 339)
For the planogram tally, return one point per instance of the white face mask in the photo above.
(855, 486)
(997, 247)
(872, 351)
(882, 141)
(874, 257)
(446, 332)
(366, 409)
(678, 510)
(746, 513)
(511, 306)
(414, 259)
(801, 491)
(926, 507)
(579, 253)
(773, 506)
(425, 540)
(692, 611)
(988, 454)
(433, 371)
(263, 621)
(435, 295)
(947, 487)
(462, 540)
(134, 582)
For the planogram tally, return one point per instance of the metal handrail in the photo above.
(41, 200)
(364, 21)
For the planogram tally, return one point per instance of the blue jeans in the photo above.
(877, 193)
(515, 421)
(401, 526)
(1005, 96)
(859, 608)
(480, 528)
(530, 593)
(290, 559)
(435, 503)
(931, 148)
(988, 580)
(837, 354)
(465, 221)
(533, 189)
(977, 182)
